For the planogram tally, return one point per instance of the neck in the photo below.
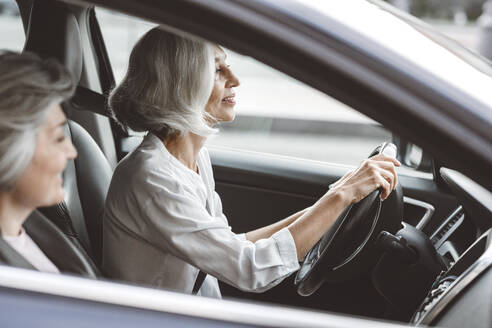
(12, 214)
(185, 148)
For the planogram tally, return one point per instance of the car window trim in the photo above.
(176, 303)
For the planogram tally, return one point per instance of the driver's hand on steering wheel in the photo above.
(375, 172)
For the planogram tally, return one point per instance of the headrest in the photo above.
(53, 31)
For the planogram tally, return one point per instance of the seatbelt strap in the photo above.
(9, 256)
(199, 282)
(201, 275)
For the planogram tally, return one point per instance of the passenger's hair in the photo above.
(29, 87)
(167, 86)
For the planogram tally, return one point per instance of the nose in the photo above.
(71, 151)
(232, 80)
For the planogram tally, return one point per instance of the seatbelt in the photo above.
(9, 256)
(199, 282)
(201, 275)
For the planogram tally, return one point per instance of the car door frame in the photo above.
(227, 169)
(80, 302)
(325, 55)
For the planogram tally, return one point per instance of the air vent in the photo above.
(447, 228)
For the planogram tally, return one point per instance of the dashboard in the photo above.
(461, 295)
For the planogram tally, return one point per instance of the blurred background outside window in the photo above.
(275, 113)
(11, 30)
(280, 115)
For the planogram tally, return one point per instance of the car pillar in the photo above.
(485, 31)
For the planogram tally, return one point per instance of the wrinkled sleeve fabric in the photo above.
(180, 224)
(218, 209)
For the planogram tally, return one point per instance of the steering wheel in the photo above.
(348, 249)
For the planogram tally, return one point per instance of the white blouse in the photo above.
(26, 247)
(163, 221)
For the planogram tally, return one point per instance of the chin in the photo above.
(229, 117)
(60, 198)
(56, 198)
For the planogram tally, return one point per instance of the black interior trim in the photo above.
(281, 174)
(476, 200)
(106, 76)
(88, 100)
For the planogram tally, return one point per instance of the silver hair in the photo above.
(167, 86)
(29, 87)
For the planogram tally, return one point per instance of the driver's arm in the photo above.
(269, 230)
(376, 172)
(315, 222)
(309, 225)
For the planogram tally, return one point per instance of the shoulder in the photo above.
(145, 172)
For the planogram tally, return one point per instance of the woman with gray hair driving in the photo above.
(163, 219)
(33, 150)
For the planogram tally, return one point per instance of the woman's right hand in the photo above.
(375, 172)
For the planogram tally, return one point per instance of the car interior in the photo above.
(442, 224)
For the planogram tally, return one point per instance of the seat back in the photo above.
(53, 31)
(93, 174)
(85, 182)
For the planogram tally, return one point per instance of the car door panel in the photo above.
(260, 189)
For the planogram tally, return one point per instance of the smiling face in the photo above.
(41, 182)
(221, 102)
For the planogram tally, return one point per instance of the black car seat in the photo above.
(53, 31)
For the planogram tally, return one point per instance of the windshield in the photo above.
(413, 40)
(479, 62)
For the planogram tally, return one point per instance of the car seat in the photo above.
(53, 31)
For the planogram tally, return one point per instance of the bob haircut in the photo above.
(29, 88)
(167, 86)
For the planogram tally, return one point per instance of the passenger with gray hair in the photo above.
(163, 223)
(34, 149)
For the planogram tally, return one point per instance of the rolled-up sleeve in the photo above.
(241, 236)
(180, 224)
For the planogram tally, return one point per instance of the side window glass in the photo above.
(120, 33)
(12, 35)
(275, 113)
(279, 115)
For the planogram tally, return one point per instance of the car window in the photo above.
(278, 114)
(12, 35)
(406, 39)
(120, 32)
(275, 113)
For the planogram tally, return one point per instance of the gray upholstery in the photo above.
(85, 182)
(93, 177)
(86, 179)
(53, 32)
